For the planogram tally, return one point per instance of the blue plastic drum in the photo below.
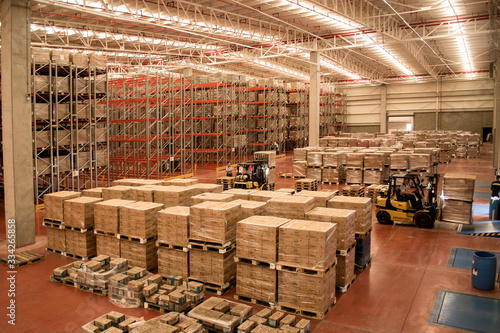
(484, 267)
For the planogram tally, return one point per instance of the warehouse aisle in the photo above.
(396, 293)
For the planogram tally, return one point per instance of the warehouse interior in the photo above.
(206, 120)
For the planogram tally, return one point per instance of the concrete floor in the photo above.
(396, 293)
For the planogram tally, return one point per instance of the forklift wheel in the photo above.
(423, 220)
(384, 217)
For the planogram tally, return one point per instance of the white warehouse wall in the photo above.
(453, 104)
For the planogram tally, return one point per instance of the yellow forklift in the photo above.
(251, 175)
(410, 207)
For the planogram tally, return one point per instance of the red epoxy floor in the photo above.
(396, 293)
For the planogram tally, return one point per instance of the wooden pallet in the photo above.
(362, 266)
(362, 235)
(212, 246)
(156, 307)
(53, 224)
(105, 233)
(76, 256)
(135, 239)
(343, 289)
(286, 175)
(90, 289)
(290, 308)
(22, 259)
(81, 230)
(63, 280)
(172, 247)
(271, 305)
(256, 262)
(306, 270)
(215, 288)
(345, 252)
(54, 251)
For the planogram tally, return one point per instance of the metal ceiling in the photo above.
(360, 41)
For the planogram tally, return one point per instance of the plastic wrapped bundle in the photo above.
(399, 161)
(315, 159)
(372, 176)
(330, 175)
(331, 160)
(374, 161)
(314, 173)
(299, 168)
(456, 211)
(459, 186)
(420, 161)
(354, 160)
(354, 176)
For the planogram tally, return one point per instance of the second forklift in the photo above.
(406, 200)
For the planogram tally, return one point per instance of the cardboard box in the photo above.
(56, 239)
(214, 221)
(93, 192)
(240, 193)
(173, 262)
(256, 282)
(173, 226)
(107, 245)
(81, 244)
(140, 255)
(257, 238)
(344, 219)
(459, 186)
(200, 188)
(180, 182)
(251, 208)
(320, 197)
(116, 192)
(457, 211)
(79, 212)
(290, 206)
(138, 219)
(217, 197)
(306, 292)
(212, 267)
(54, 209)
(107, 215)
(265, 196)
(362, 206)
(171, 196)
(307, 244)
(345, 269)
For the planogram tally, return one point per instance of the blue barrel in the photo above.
(484, 267)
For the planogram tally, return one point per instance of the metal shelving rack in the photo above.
(297, 125)
(69, 115)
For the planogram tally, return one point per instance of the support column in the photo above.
(16, 121)
(496, 113)
(383, 109)
(314, 99)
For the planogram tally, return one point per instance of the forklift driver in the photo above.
(405, 194)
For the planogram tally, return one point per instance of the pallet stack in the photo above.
(54, 219)
(421, 162)
(212, 234)
(353, 190)
(333, 170)
(107, 222)
(79, 227)
(256, 257)
(138, 232)
(173, 235)
(314, 165)
(362, 206)
(374, 191)
(399, 162)
(354, 166)
(374, 164)
(306, 279)
(458, 198)
(226, 182)
(346, 226)
(445, 153)
(306, 184)
(290, 206)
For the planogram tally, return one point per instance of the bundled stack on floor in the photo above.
(220, 315)
(127, 287)
(226, 182)
(306, 267)
(306, 184)
(458, 198)
(256, 257)
(277, 322)
(113, 322)
(173, 235)
(92, 275)
(212, 233)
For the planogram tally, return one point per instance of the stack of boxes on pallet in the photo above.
(314, 164)
(212, 234)
(333, 170)
(173, 235)
(374, 165)
(306, 267)
(458, 198)
(299, 165)
(354, 165)
(220, 315)
(256, 257)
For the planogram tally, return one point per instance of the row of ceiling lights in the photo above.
(334, 20)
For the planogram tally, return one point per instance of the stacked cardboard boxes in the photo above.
(290, 206)
(320, 197)
(306, 266)
(116, 192)
(256, 255)
(219, 197)
(362, 206)
(251, 208)
(172, 195)
(220, 315)
(458, 198)
(173, 235)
